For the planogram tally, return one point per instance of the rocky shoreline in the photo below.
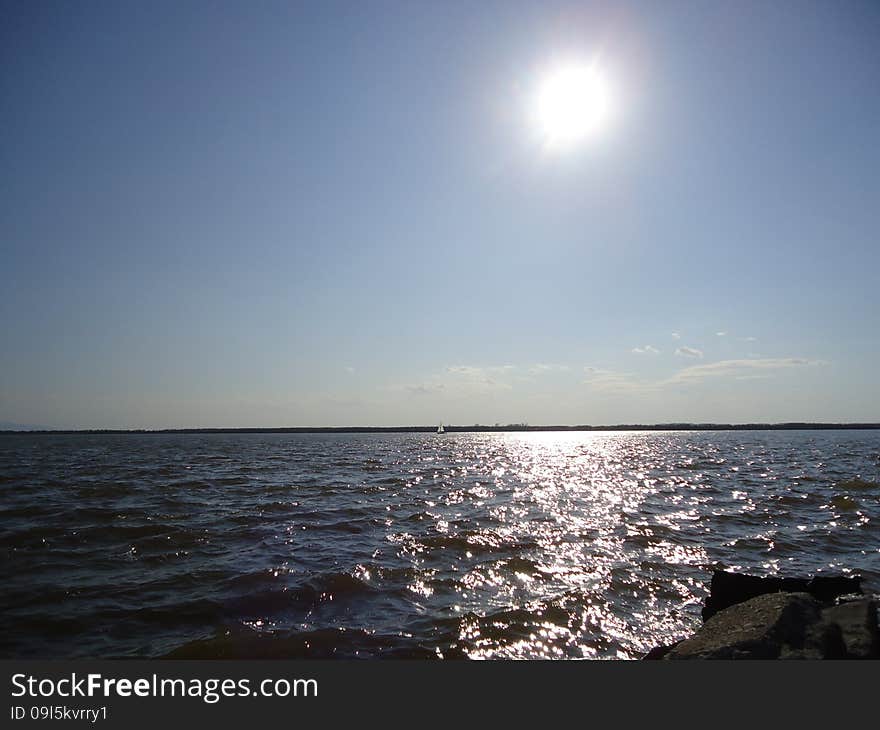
(754, 617)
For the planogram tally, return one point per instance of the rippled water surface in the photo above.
(531, 545)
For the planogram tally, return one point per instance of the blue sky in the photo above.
(244, 214)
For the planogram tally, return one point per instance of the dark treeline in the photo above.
(478, 428)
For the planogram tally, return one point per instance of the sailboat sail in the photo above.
(440, 429)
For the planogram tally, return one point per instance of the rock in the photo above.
(728, 589)
(821, 641)
(764, 627)
(857, 622)
(754, 617)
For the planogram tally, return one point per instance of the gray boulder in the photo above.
(760, 628)
(859, 631)
(786, 626)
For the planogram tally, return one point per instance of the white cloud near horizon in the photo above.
(478, 371)
(471, 381)
(743, 369)
(543, 368)
(474, 377)
(688, 352)
(612, 381)
(457, 380)
(425, 389)
(740, 369)
(647, 349)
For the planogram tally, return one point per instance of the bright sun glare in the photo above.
(572, 104)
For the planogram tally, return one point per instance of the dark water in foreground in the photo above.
(534, 545)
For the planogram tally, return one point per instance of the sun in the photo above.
(571, 105)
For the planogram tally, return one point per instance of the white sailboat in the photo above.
(440, 429)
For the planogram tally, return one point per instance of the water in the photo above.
(531, 545)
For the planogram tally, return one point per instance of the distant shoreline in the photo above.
(515, 428)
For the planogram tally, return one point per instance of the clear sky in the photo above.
(319, 213)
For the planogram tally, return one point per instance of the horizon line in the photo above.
(475, 428)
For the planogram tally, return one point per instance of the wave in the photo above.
(325, 643)
(857, 483)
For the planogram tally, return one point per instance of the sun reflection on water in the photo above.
(556, 532)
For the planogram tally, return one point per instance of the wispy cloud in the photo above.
(740, 369)
(612, 381)
(425, 389)
(474, 381)
(460, 380)
(720, 334)
(480, 376)
(473, 371)
(349, 369)
(543, 368)
(647, 349)
(676, 335)
(689, 352)
(466, 381)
